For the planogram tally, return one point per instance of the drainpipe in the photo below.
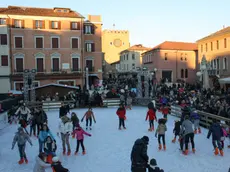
(82, 51)
(10, 51)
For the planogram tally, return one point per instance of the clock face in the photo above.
(117, 42)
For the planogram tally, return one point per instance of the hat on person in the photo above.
(153, 162)
(146, 138)
(55, 159)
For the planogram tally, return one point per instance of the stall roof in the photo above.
(224, 80)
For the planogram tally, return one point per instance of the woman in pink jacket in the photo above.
(79, 132)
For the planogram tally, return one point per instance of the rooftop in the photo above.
(170, 45)
(32, 11)
(137, 47)
(218, 33)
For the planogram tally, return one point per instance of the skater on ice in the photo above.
(151, 115)
(153, 166)
(40, 164)
(50, 148)
(79, 133)
(176, 130)
(65, 129)
(57, 165)
(160, 133)
(21, 138)
(89, 116)
(196, 120)
(121, 113)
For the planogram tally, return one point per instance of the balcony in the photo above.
(75, 70)
(91, 69)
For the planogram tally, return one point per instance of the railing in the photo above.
(76, 70)
(111, 102)
(205, 118)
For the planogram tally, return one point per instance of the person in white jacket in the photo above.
(41, 164)
(65, 128)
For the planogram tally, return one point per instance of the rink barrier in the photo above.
(205, 118)
(50, 105)
(3, 120)
(111, 102)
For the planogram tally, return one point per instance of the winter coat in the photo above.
(40, 165)
(176, 129)
(139, 157)
(155, 169)
(62, 111)
(21, 139)
(121, 113)
(80, 134)
(161, 129)
(22, 111)
(57, 167)
(89, 114)
(44, 134)
(75, 120)
(194, 116)
(187, 127)
(151, 115)
(165, 110)
(65, 128)
(129, 101)
(49, 147)
(216, 131)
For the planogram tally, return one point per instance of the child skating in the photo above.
(165, 111)
(176, 130)
(21, 138)
(151, 115)
(50, 148)
(129, 103)
(121, 112)
(196, 120)
(79, 133)
(89, 115)
(160, 131)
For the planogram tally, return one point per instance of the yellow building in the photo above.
(113, 42)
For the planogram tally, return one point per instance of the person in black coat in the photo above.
(153, 166)
(62, 110)
(217, 133)
(139, 157)
(57, 166)
(176, 130)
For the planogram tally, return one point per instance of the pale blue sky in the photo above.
(150, 22)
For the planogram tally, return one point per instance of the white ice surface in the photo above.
(108, 150)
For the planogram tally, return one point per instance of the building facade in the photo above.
(4, 57)
(174, 61)
(216, 49)
(113, 42)
(57, 42)
(131, 58)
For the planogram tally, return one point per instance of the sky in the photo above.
(150, 22)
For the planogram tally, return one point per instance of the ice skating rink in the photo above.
(108, 150)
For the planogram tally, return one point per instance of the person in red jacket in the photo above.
(151, 115)
(165, 111)
(121, 114)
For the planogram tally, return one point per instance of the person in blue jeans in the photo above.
(43, 134)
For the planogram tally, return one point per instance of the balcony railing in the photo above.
(76, 70)
(91, 69)
(56, 70)
(18, 71)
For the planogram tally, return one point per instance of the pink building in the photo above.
(59, 43)
(173, 60)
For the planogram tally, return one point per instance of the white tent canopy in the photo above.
(224, 80)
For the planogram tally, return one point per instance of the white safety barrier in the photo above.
(3, 120)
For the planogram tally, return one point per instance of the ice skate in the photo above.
(86, 128)
(164, 147)
(26, 161)
(193, 150)
(152, 129)
(75, 153)
(185, 152)
(216, 151)
(68, 153)
(174, 140)
(83, 152)
(63, 152)
(199, 130)
(195, 132)
(228, 146)
(221, 152)
(160, 147)
(21, 161)
(149, 129)
(124, 128)
(119, 128)
(90, 128)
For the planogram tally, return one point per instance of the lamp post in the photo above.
(153, 73)
(87, 77)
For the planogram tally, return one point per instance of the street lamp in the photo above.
(153, 73)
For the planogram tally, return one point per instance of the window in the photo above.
(38, 42)
(19, 86)
(39, 24)
(74, 42)
(55, 42)
(36, 83)
(55, 25)
(55, 65)
(225, 63)
(211, 46)
(133, 65)
(127, 56)
(3, 39)
(217, 45)
(225, 42)
(185, 57)
(127, 66)
(201, 48)
(214, 63)
(75, 64)
(19, 65)
(166, 56)
(206, 47)
(2, 21)
(217, 64)
(40, 64)
(18, 43)
(111, 43)
(89, 47)
(182, 73)
(89, 65)
(4, 60)
(133, 56)
(186, 73)
(74, 25)
(181, 58)
(89, 29)
(18, 23)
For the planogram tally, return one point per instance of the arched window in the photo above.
(182, 73)
(186, 73)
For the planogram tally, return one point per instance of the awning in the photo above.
(224, 80)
